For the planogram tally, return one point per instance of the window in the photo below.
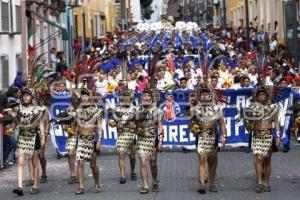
(79, 2)
(4, 16)
(11, 17)
(4, 72)
(76, 26)
(261, 8)
(83, 31)
(92, 27)
(18, 19)
(96, 25)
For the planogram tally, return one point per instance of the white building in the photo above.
(10, 41)
(136, 11)
(164, 7)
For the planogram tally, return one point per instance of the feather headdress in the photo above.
(273, 93)
(38, 77)
(217, 95)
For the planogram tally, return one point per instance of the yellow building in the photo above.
(110, 11)
(266, 15)
(94, 18)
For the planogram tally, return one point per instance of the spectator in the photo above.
(62, 87)
(132, 82)
(9, 144)
(53, 58)
(283, 83)
(61, 65)
(13, 94)
(245, 82)
(273, 44)
(9, 141)
(252, 75)
(101, 85)
(183, 84)
(19, 82)
(214, 82)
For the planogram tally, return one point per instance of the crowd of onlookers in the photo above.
(176, 60)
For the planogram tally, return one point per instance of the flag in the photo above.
(31, 31)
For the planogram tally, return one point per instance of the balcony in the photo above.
(55, 5)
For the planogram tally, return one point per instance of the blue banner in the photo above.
(175, 123)
(59, 102)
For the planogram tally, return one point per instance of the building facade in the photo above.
(110, 12)
(10, 40)
(42, 29)
(197, 11)
(94, 18)
(125, 14)
(266, 15)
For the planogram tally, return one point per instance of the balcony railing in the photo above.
(56, 5)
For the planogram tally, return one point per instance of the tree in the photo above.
(146, 8)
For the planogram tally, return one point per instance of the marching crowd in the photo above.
(202, 61)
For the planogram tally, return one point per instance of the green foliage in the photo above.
(145, 3)
(146, 8)
(148, 12)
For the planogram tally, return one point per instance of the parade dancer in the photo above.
(39, 81)
(124, 119)
(150, 138)
(68, 122)
(88, 119)
(259, 118)
(42, 97)
(205, 117)
(71, 145)
(30, 121)
(41, 153)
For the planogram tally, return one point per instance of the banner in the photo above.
(175, 123)
(59, 102)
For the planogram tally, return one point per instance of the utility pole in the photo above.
(247, 25)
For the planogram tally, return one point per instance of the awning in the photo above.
(63, 30)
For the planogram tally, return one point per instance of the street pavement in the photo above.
(177, 174)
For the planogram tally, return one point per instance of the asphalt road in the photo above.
(177, 174)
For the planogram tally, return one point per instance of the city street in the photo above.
(106, 70)
(177, 174)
